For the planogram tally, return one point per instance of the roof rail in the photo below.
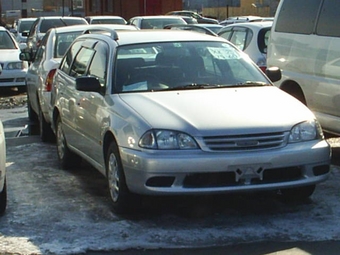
(101, 29)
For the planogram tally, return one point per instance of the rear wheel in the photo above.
(67, 159)
(46, 133)
(3, 199)
(123, 201)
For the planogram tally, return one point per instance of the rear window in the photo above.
(298, 16)
(160, 23)
(50, 23)
(329, 14)
(108, 21)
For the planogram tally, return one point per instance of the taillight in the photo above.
(49, 80)
(263, 68)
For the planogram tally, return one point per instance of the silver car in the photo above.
(3, 190)
(172, 112)
(43, 65)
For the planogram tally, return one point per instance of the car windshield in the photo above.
(25, 25)
(183, 65)
(6, 41)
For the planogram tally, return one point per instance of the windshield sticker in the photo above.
(221, 53)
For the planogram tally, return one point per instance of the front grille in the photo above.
(7, 80)
(246, 142)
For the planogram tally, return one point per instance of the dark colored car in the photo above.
(43, 24)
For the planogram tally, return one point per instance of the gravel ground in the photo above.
(11, 98)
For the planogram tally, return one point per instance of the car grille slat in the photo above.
(246, 142)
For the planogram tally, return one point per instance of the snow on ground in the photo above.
(51, 211)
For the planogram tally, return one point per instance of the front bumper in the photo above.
(198, 172)
(13, 78)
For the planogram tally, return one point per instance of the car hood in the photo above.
(10, 55)
(215, 111)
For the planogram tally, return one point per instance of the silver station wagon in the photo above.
(165, 112)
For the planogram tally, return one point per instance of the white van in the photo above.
(305, 45)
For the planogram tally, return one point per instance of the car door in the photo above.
(90, 105)
(64, 93)
(34, 77)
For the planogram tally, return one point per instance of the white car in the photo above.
(21, 29)
(3, 189)
(108, 19)
(13, 69)
(250, 37)
(39, 76)
(155, 22)
(172, 112)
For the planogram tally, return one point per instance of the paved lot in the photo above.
(68, 212)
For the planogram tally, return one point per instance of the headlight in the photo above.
(305, 131)
(15, 65)
(167, 140)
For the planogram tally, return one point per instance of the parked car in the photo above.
(191, 27)
(241, 19)
(155, 22)
(210, 29)
(41, 71)
(13, 69)
(250, 37)
(195, 15)
(308, 54)
(167, 112)
(42, 24)
(3, 188)
(21, 29)
(105, 19)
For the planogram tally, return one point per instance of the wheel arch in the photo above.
(107, 140)
(294, 89)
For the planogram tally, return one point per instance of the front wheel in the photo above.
(121, 198)
(67, 159)
(3, 200)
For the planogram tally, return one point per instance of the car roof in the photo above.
(255, 24)
(88, 27)
(59, 17)
(159, 35)
(2, 28)
(158, 17)
(105, 17)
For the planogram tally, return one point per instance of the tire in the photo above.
(67, 159)
(32, 115)
(45, 129)
(297, 194)
(3, 199)
(123, 201)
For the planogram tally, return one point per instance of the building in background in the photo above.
(130, 8)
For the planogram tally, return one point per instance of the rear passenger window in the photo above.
(298, 16)
(67, 60)
(328, 25)
(81, 62)
(98, 64)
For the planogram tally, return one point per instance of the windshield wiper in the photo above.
(253, 84)
(195, 86)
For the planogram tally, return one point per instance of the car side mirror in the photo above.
(25, 56)
(274, 73)
(88, 83)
